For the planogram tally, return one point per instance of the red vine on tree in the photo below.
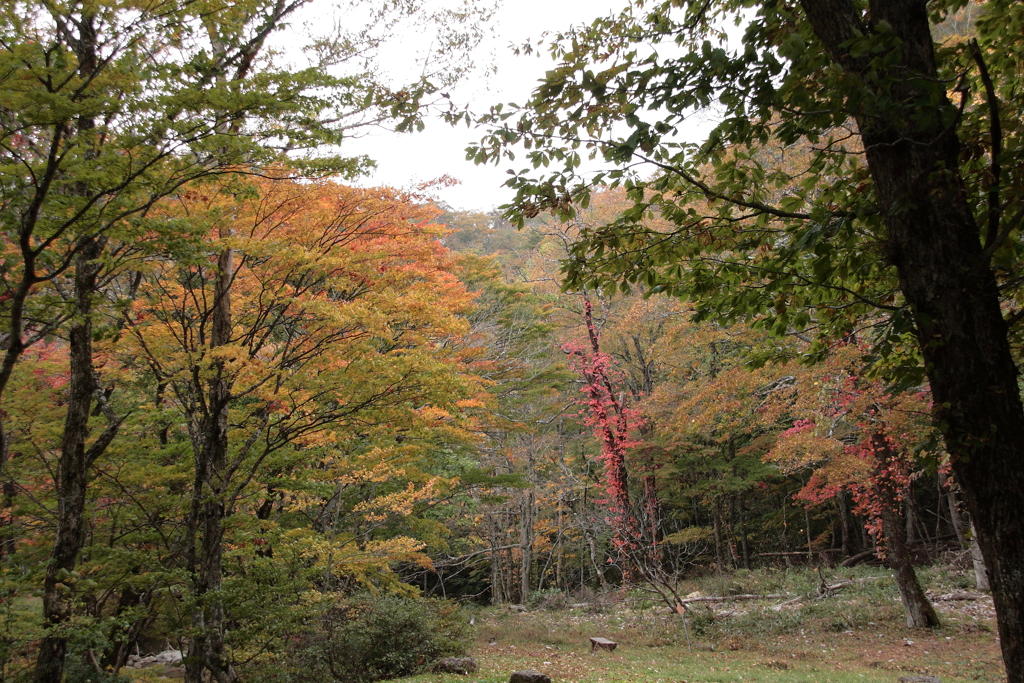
(613, 421)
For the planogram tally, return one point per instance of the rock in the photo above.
(517, 608)
(173, 672)
(529, 676)
(919, 679)
(167, 657)
(456, 665)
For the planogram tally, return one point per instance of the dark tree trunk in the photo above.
(919, 611)
(127, 637)
(209, 502)
(945, 276)
(73, 468)
(845, 524)
(719, 550)
(7, 544)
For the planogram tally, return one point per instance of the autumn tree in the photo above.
(107, 109)
(331, 347)
(710, 419)
(857, 437)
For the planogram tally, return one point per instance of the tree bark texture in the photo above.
(209, 504)
(73, 470)
(526, 541)
(944, 274)
(981, 580)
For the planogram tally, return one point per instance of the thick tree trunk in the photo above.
(73, 469)
(944, 273)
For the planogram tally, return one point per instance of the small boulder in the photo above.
(169, 657)
(456, 665)
(919, 679)
(529, 676)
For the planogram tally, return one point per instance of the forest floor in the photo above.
(855, 634)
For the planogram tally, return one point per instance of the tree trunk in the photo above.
(497, 594)
(592, 545)
(845, 523)
(910, 516)
(981, 580)
(73, 468)
(743, 535)
(526, 544)
(209, 505)
(719, 551)
(807, 531)
(560, 516)
(955, 519)
(945, 276)
(919, 611)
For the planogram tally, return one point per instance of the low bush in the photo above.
(370, 638)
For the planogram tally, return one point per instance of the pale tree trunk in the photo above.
(980, 570)
(526, 544)
(592, 546)
(954, 509)
(560, 516)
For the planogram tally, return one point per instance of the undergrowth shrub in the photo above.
(372, 637)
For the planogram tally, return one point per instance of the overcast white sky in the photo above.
(404, 160)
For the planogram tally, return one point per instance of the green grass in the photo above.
(855, 636)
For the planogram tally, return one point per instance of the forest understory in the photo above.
(856, 633)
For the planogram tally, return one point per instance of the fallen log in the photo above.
(781, 605)
(959, 595)
(858, 558)
(730, 598)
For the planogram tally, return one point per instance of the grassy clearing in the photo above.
(856, 635)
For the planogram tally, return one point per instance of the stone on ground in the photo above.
(456, 665)
(529, 676)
